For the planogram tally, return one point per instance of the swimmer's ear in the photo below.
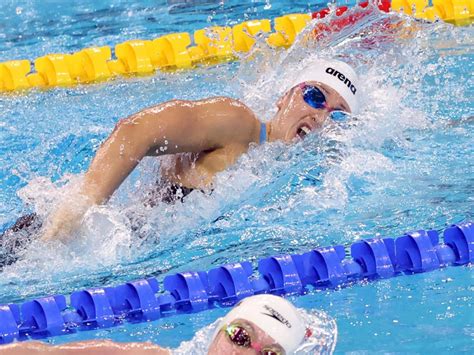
(282, 99)
(280, 102)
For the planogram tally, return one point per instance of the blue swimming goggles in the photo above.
(315, 98)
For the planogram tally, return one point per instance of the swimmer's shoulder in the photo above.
(228, 104)
(231, 115)
(220, 119)
(217, 106)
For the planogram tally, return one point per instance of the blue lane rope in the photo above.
(186, 292)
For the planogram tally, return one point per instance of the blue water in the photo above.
(404, 163)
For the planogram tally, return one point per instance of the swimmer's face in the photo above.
(222, 344)
(296, 118)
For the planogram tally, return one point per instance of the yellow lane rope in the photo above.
(178, 50)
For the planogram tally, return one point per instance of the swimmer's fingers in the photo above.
(61, 225)
(31, 347)
(66, 219)
(94, 347)
(49, 234)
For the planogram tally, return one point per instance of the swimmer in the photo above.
(214, 132)
(262, 324)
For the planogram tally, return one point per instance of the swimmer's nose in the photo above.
(320, 117)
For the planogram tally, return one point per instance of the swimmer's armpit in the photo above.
(93, 347)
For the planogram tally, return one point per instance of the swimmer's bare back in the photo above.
(216, 130)
(93, 347)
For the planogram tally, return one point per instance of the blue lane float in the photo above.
(187, 292)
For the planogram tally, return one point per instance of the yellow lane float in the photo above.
(180, 50)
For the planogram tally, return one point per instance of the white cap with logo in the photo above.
(274, 315)
(337, 75)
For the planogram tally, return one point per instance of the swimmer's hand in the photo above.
(66, 219)
(91, 347)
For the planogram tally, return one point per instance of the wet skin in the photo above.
(220, 345)
(202, 137)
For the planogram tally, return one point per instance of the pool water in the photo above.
(405, 162)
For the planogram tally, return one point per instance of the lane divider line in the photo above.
(195, 291)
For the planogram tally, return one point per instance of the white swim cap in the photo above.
(335, 74)
(320, 335)
(274, 315)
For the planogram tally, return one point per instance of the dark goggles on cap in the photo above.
(239, 336)
(315, 98)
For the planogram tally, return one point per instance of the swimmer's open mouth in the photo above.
(303, 131)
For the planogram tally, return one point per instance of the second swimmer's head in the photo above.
(262, 324)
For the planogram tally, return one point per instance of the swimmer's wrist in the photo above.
(90, 196)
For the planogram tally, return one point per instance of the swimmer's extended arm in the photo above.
(94, 347)
(169, 128)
